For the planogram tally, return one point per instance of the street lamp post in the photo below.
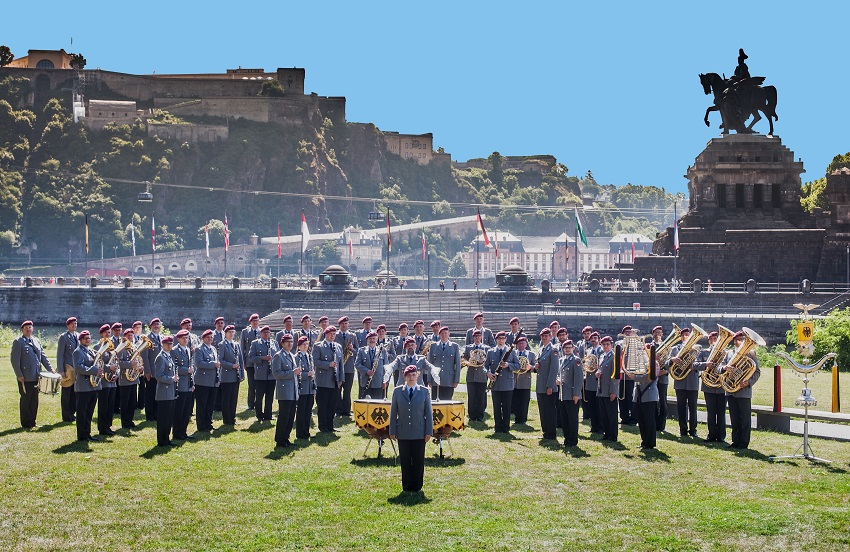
(114, 251)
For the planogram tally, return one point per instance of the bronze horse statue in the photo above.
(737, 100)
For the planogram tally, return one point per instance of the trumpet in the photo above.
(105, 346)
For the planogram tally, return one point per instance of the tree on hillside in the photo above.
(6, 56)
(78, 61)
(838, 162)
(497, 175)
(273, 89)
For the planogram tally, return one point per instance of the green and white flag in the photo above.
(580, 230)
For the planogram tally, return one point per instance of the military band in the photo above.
(310, 367)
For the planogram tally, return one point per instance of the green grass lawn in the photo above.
(232, 491)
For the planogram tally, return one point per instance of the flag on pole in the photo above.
(305, 233)
(133, 237)
(350, 244)
(424, 246)
(496, 241)
(633, 252)
(676, 235)
(153, 234)
(101, 250)
(226, 233)
(87, 234)
(207, 238)
(580, 230)
(389, 233)
(566, 247)
(278, 240)
(483, 231)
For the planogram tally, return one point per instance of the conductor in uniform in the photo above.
(27, 359)
(411, 424)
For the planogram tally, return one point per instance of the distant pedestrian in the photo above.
(442, 285)
(454, 285)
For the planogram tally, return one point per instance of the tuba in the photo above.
(711, 377)
(138, 367)
(662, 352)
(741, 367)
(105, 346)
(112, 375)
(687, 354)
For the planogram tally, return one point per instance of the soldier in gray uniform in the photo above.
(86, 393)
(686, 393)
(261, 354)
(435, 331)
(606, 395)
(512, 335)
(367, 369)
(476, 380)
(522, 382)
(591, 384)
(581, 348)
(207, 378)
(218, 332)
(349, 344)
(68, 342)
(127, 389)
(287, 330)
(715, 397)
(410, 358)
(740, 402)
(108, 389)
(445, 355)
(398, 347)
(150, 355)
(232, 373)
(166, 392)
(285, 371)
(117, 329)
(185, 386)
(306, 389)
(501, 373)
(363, 332)
(486, 334)
(327, 358)
(627, 410)
(27, 359)
(250, 334)
(570, 379)
(546, 387)
(307, 331)
(645, 404)
(388, 343)
(412, 425)
(137, 336)
(663, 378)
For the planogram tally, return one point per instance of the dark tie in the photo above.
(444, 347)
(410, 394)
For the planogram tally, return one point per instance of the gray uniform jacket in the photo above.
(389, 347)
(486, 336)
(398, 344)
(645, 389)
(125, 366)
(28, 357)
(229, 355)
(259, 349)
(283, 365)
(447, 359)
(279, 335)
(510, 337)
(746, 392)
(665, 379)
(361, 337)
(505, 380)
(475, 375)
(607, 386)
(590, 381)
(403, 361)
(164, 370)
(692, 380)
(312, 338)
(344, 340)
(84, 366)
(218, 337)
(547, 373)
(411, 418)
(307, 385)
(206, 374)
(151, 354)
(68, 341)
(523, 381)
(181, 359)
(365, 361)
(571, 374)
(248, 336)
(700, 364)
(421, 341)
(324, 353)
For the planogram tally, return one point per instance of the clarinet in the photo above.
(504, 358)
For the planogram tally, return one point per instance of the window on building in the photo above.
(739, 196)
(44, 64)
(721, 196)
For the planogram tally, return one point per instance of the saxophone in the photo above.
(375, 365)
(687, 354)
(711, 377)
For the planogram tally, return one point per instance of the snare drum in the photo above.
(448, 417)
(49, 383)
(372, 416)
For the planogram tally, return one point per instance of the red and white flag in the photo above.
(496, 242)
(676, 235)
(153, 234)
(633, 252)
(350, 244)
(207, 237)
(389, 233)
(305, 233)
(424, 246)
(483, 231)
(226, 234)
(278, 240)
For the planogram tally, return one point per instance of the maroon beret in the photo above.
(323, 319)
(402, 325)
(545, 331)
(330, 329)
(206, 333)
(408, 341)
(367, 319)
(554, 323)
(607, 339)
(342, 319)
(155, 321)
(522, 338)
(594, 333)
(305, 317)
(253, 317)
(443, 329)
(685, 330)
(586, 329)
(656, 328)
(286, 337)
(229, 327)
(410, 369)
(435, 323)
(478, 315)
(85, 333)
(265, 329)
(739, 334)
(104, 328)
(70, 320)
(167, 339)
(303, 339)
(568, 343)
(381, 327)
(137, 323)
(419, 322)
(287, 317)
(219, 319)
(372, 333)
(475, 332)
(561, 331)
(513, 320)
(712, 334)
(626, 328)
(128, 331)
(186, 321)
(183, 333)
(501, 335)
(117, 326)
(28, 323)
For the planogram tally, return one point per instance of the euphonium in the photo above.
(137, 366)
(662, 352)
(741, 367)
(711, 376)
(105, 346)
(687, 354)
(523, 366)
(110, 375)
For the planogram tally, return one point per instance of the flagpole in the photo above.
(278, 250)
(301, 270)
(86, 266)
(102, 262)
(133, 230)
(675, 238)
(153, 247)
(577, 255)
(429, 273)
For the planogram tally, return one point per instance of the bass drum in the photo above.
(372, 416)
(448, 417)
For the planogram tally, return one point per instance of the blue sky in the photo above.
(607, 86)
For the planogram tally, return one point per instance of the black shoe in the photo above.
(683, 434)
(732, 445)
(69, 419)
(709, 440)
(693, 434)
(109, 432)
(95, 439)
